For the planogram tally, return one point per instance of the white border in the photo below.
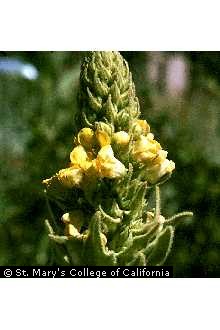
(109, 304)
(109, 25)
(100, 303)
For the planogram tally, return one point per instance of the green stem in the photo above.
(178, 215)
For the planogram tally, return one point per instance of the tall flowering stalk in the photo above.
(102, 213)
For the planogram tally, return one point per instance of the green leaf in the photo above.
(95, 252)
(139, 260)
(161, 247)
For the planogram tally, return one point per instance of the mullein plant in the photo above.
(99, 207)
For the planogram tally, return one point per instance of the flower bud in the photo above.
(115, 93)
(94, 102)
(141, 127)
(108, 128)
(123, 119)
(75, 217)
(145, 148)
(103, 133)
(121, 138)
(71, 230)
(86, 137)
(110, 110)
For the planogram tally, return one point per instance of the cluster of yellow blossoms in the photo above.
(149, 152)
(93, 156)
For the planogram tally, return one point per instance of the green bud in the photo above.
(106, 88)
(108, 128)
(94, 102)
(100, 86)
(110, 110)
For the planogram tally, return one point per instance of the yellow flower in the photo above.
(145, 149)
(107, 165)
(79, 158)
(121, 138)
(160, 157)
(141, 127)
(156, 172)
(70, 177)
(103, 138)
(86, 137)
(149, 152)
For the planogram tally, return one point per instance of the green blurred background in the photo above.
(179, 93)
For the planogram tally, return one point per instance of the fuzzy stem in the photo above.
(178, 215)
